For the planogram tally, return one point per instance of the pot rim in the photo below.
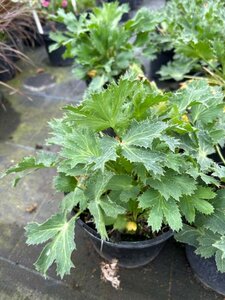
(124, 244)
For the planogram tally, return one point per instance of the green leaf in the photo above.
(40, 233)
(80, 147)
(187, 208)
(188, 235)
(72, 199)
(161, 207)
(149, 198)
(111, 208)
(172, 214)
(99, 112)
(204, 207)
(97, 212)
(220, 261)
(215, 222)
(151, 160)
(96, 186)
(142, 134)
(108, 152)
(171, 142)
(59, 250)
(46, 158)
(155, 217)
(120, 182)
(64, 183)
(173, 185)
(120, 222)
(206, 248)
(220, 244)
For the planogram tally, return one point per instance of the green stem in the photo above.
(77, 215)
(220, 154)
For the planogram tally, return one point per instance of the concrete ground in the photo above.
(23, 127)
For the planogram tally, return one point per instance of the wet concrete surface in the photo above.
(23, 127)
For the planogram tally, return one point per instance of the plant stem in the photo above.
(220, 154)
(77, 215)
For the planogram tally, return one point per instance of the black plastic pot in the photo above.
(162, 59)
(206, 271)
(56, 56)
(129, 254)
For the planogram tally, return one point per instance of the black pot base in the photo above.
(206, 271)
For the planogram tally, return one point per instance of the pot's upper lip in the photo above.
(138, 244)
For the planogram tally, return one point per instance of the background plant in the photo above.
(207, 234)
(103, 46)
(194, 30)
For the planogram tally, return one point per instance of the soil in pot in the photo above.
(56, 56)
(123, 248)
(206, 271)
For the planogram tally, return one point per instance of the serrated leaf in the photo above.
(108, 152)
(120, 182)
(205, 248)
(215, 222)
(46, 158)
(149, 198)
(142, 134)
(220, 261)
(40, 233)
(132, 193)
(80, 147)
(188, 235)
(97, 213)
(99, 112)
(72, 199)
(155, 217)
(111, 208)
(151, 160)
(187, 208)
(96, 186)
(203, 206)
(220, 244)
(59, 250)
(171, 142)
(172, 214)
(173, 185)
(64, 183)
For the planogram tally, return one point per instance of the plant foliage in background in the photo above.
(145, 174)
(195, 31)
(207, 235)
(103, 46)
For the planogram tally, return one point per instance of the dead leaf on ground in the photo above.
(110, 273)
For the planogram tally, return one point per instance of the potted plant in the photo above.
(49, 9)
(191, 31)
(103, 47)
(205, 248)
(130, 191)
